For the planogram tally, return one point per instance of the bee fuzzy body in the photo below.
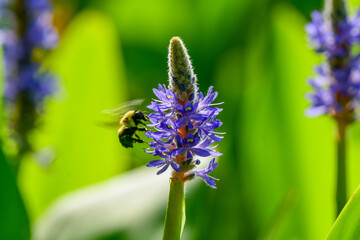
(126, 136)
(130, 122)
(128, 119)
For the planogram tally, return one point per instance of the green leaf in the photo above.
(14, 223)
(175, 213)
(347, 225)
(124, 204)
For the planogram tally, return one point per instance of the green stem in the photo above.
(341, 171)
(175, 213)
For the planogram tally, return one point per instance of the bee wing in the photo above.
(108, 124)
(119, 112)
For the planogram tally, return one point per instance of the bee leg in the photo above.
(139, 140)
(137, 128)
(137, 136)
(142, 123)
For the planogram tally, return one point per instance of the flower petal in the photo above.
(175, 166)
(209, 181)
(180, 122)
(163, 169)
(200, 152)
(178, 151)
(156, 163)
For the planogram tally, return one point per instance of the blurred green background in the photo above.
(278, 166)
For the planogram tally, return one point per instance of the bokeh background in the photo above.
(277, 172)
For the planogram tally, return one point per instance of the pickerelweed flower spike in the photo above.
(184, 121)
(337, 82)
(25, 35)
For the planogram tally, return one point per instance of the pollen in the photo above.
(190, 140)
(169, 126)
(188, 109)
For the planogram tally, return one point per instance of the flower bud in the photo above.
(182, 80)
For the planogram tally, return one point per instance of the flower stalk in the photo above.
(341, 197)
(175, 212)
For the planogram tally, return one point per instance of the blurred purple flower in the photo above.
(38, 5)
(41, 32)
(21, 72)
(336, 84)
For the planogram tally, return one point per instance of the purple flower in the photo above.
(336, 84)
(167, 100)
(184, 122)
(204, 173)
(167, 130)
(22, 73)
(38, 5)
(189, 113)
(207, 126)
(206, 102)
(319, 33)
(40, 32)
(324, 40)
(190, 144)
(164, 163)
(354, 31)
(158, 144)
(37, 84)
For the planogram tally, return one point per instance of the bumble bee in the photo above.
(129, 123)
